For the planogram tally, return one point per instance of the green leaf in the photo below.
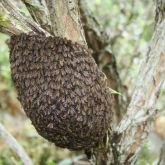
(114, 92)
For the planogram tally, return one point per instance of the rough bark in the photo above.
(40, 13)
(160, 11)
(15, 22)
(65, 22)
(60, 18)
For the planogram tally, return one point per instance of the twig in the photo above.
(15, 146)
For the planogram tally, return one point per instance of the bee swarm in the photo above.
(61, 90)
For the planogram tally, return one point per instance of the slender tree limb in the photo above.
(15, 146)
(15, 12)
(10, 25)
(40, 13)
(134, 126)
(12, 21)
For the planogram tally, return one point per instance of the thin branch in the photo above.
(16, 147)
(141, 108)
(15, 12)
(12, 21)
(10, 25)
(40, 13)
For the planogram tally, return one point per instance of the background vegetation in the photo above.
(130, 24)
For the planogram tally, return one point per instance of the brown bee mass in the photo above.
(61, 90)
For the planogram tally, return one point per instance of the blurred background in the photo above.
(130, 25)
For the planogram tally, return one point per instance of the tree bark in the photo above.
(40, 13)
(59, 18)
(160, 11)
(12, 21)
